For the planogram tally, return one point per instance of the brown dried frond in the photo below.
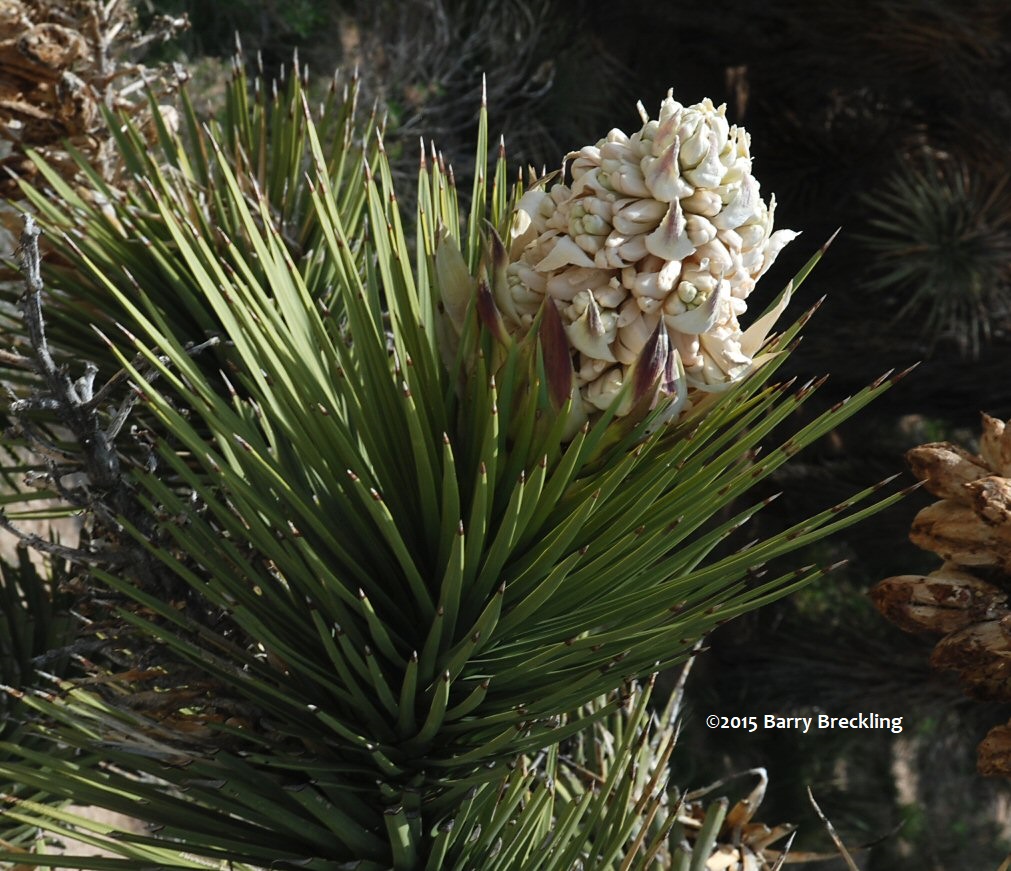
(60, 63)
(966, 599)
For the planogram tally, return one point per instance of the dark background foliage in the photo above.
(888, 118)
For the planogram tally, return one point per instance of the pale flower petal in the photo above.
(777, 242)
(755, 335)
(606, 389)
(670, 240)
(591, 332)
(564, 252)
(662, 175)
(741, 206)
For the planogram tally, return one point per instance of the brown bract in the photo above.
(944, 601)
(966, 599)
(981, 655)
(994, 757)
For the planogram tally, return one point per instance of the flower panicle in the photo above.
(652, 247)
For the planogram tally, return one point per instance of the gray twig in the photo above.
(67, 398)
(51, 548)
(105, 491)
(91, 478)
(847, 858)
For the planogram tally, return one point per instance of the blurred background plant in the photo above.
(940, 238)
(420, 59)
(965, 599)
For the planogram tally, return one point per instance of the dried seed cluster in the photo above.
(60, 63)
(966, 599)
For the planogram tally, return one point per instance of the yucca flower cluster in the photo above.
(660, 234)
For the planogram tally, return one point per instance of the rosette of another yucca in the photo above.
(652, 249)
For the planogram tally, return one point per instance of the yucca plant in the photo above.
(366, 573)
(262, 136)
(36, 635)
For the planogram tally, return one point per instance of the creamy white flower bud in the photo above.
(633, 336)
(590, 331)
(639, 216)
(687, 347)
(734, 173)
(522, 279)
(590, 244)
(605, 389)
(695, 146)
(663, 175)
(702, 202)
(612, 295)
(630, 250)
(614, 153)
(566, 284)
(732, 240)
(586, 158)
(589, 184)
(527, 299)
(648, 305)
(752, 235)
(583, 223)
(590, 368)
(700, 277)
(741, 208)
(626, 179)
(530, 220)
(700, 230)
(629, 312)
(702, 316)
(609, 258)
(656, 285)
(709, 171)
(715, 252)
(667, 125)
(674, 305)
(559, 194)
(649, 127)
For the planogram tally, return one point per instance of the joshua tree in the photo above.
(380, 536)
